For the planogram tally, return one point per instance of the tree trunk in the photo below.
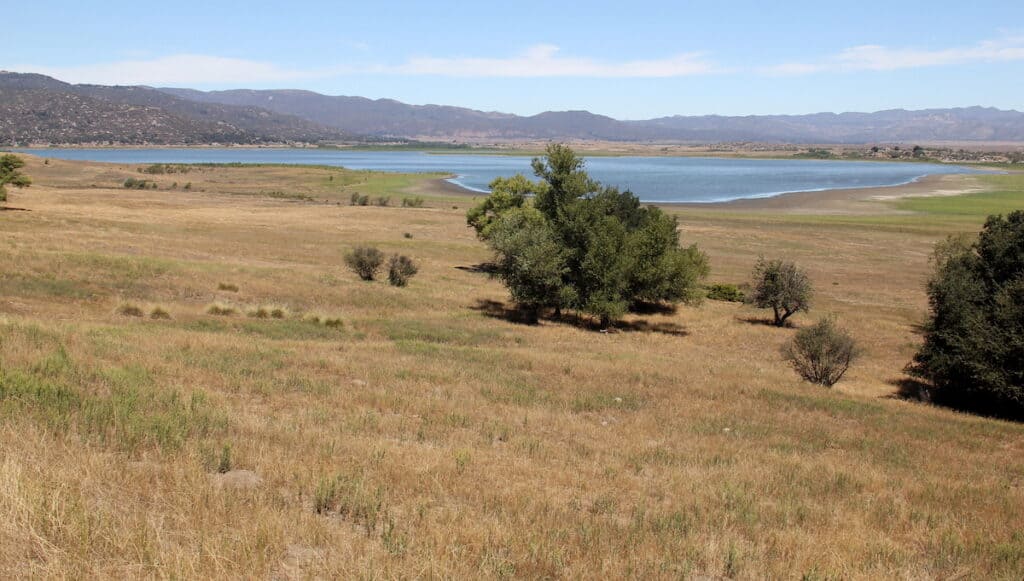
(605, 321)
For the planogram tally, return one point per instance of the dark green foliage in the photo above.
(416, 202)
(365, 261)
(725, 292)
(973, 352)
(583, 245)
(531, 263)
(821, 353)
(782, 287)
(506, 194)
(10, 174)
(383, 201)
(359, 200)
(134, 184)
(400, 269)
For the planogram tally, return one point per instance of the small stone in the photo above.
(242, 479)
(359, 383)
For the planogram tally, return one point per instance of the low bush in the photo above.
(159, 314)
(228, 287)
(136, 184)
(400, 269)
(221, 310)
(822, 352)
(725, 292)
(359, 200)
(365, 261)
(383, 201)
(416, 202)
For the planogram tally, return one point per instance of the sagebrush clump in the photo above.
(401, 268)
(821, 353)
(365, 261)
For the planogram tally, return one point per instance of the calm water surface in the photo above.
(652, 179)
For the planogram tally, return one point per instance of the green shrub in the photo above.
(129, 310)
(416, 202)
(221, 310)
(400, 269)
(136, 184)
(359, 200)
(973, 352)
(365, 261)
(725, 292)
(383, 201)
(407, 235)
(821, 353)
(159, 313)
(260, 312)
(228, 287)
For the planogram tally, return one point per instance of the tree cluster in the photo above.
(973, 353)
(569, 242)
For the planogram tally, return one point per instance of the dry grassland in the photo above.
(420, 434)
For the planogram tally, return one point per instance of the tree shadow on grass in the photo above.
(766, 321)
(482, 268)
(911, 389)
(499, 310)
(10, 209)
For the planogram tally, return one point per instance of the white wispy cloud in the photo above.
(538, 61)
(181, 69)
(544, 60)
(871, 57)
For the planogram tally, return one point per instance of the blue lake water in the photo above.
(652, 179)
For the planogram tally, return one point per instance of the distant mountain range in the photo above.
(39, 109)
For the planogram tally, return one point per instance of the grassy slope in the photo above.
(439, 439)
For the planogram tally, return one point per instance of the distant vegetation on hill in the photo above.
(38, 109)
(35, 109)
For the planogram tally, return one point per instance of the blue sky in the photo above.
(626, 59)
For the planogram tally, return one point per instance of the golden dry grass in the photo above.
(424, 435)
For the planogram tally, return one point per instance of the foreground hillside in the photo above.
(429, 436)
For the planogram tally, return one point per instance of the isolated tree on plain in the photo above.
(612, 253)
(821, 353)
(782, 287)
(365, 261)
(10, 174)
(973, 352)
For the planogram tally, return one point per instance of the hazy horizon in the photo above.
(653, 59)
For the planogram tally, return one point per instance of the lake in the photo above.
(652, 179)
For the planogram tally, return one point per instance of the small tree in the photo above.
(821, 353)
(10, 174)
(365, 261)
(782, 287)
(400, 269)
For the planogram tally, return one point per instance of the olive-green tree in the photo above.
(973, 352)
(782, 287)
(10, 174)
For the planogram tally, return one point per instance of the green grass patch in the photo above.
(116, 407)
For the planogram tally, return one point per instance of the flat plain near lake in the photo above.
(423, 434)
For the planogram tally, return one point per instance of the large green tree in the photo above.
(10, 174)
(611, 251)
(973, 352)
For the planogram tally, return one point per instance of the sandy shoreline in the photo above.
(845, 201)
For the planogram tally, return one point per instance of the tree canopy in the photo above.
(973, 352)
(10, 174)
(782, 287)
(581, 245)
